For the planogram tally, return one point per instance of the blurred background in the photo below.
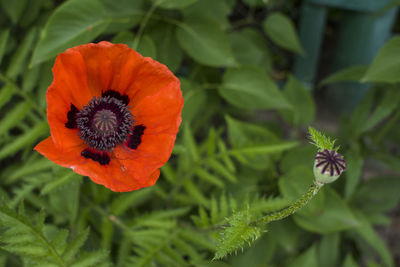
(255, 74)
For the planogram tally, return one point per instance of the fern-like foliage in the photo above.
(28, 239)
(320, 140)
(158, 241)
(238, 234)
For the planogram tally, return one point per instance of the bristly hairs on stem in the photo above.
(320, 140)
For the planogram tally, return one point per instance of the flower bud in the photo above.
(328, 166)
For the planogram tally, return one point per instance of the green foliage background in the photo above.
(232, 159)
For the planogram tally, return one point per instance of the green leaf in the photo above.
(190, 142)
(255, 3)
(250, 88)
(265, 149)
(74, 22)
(351, 74)
(386, 65)
(14, 116)
(328, 250)
(174, 4)
(75, 245)
(195, 193)
(333, 216)
(14, 9)
(195, 100)
(6, 93)
(354, 164)
(389, 102)
(58, 182)
(250, 48)
(286, 233)
(349, 261)
(369, 235)
(326, 213)
(124, 15)
(130, 200)
(302, 102)
(205, 42)
(242, 134)
(3, 42)
(307, 258)
(18, 61)
(209, 178)
(378, 194)
(168, 50)
(282, 31)
(221, 170)
(24, 140)
(200, 10)
(301, 155)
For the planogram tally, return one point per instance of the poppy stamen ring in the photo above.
(104, 123)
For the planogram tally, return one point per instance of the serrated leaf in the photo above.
(236, 236)
(74, 246)
(57, 183)
(209, 178)
(130, 200)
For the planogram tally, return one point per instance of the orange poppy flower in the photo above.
(113, 115)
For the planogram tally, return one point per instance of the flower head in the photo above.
(113, 115)
(328, 166)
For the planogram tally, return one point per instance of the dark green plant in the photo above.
(241, 157)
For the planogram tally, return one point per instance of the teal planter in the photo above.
(362, 32)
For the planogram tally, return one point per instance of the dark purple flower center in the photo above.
(331, 162)
(104, 123)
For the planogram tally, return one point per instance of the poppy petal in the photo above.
(112, 176)
(110, 66)
(154, 76)
(160, 112)
(152, 94)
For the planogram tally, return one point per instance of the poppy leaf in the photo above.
(6, 93)
(18, 61)
(24, 140)
(3, 42)
(14, 116)
(72, 23)
(251, 88)
(205, 42)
